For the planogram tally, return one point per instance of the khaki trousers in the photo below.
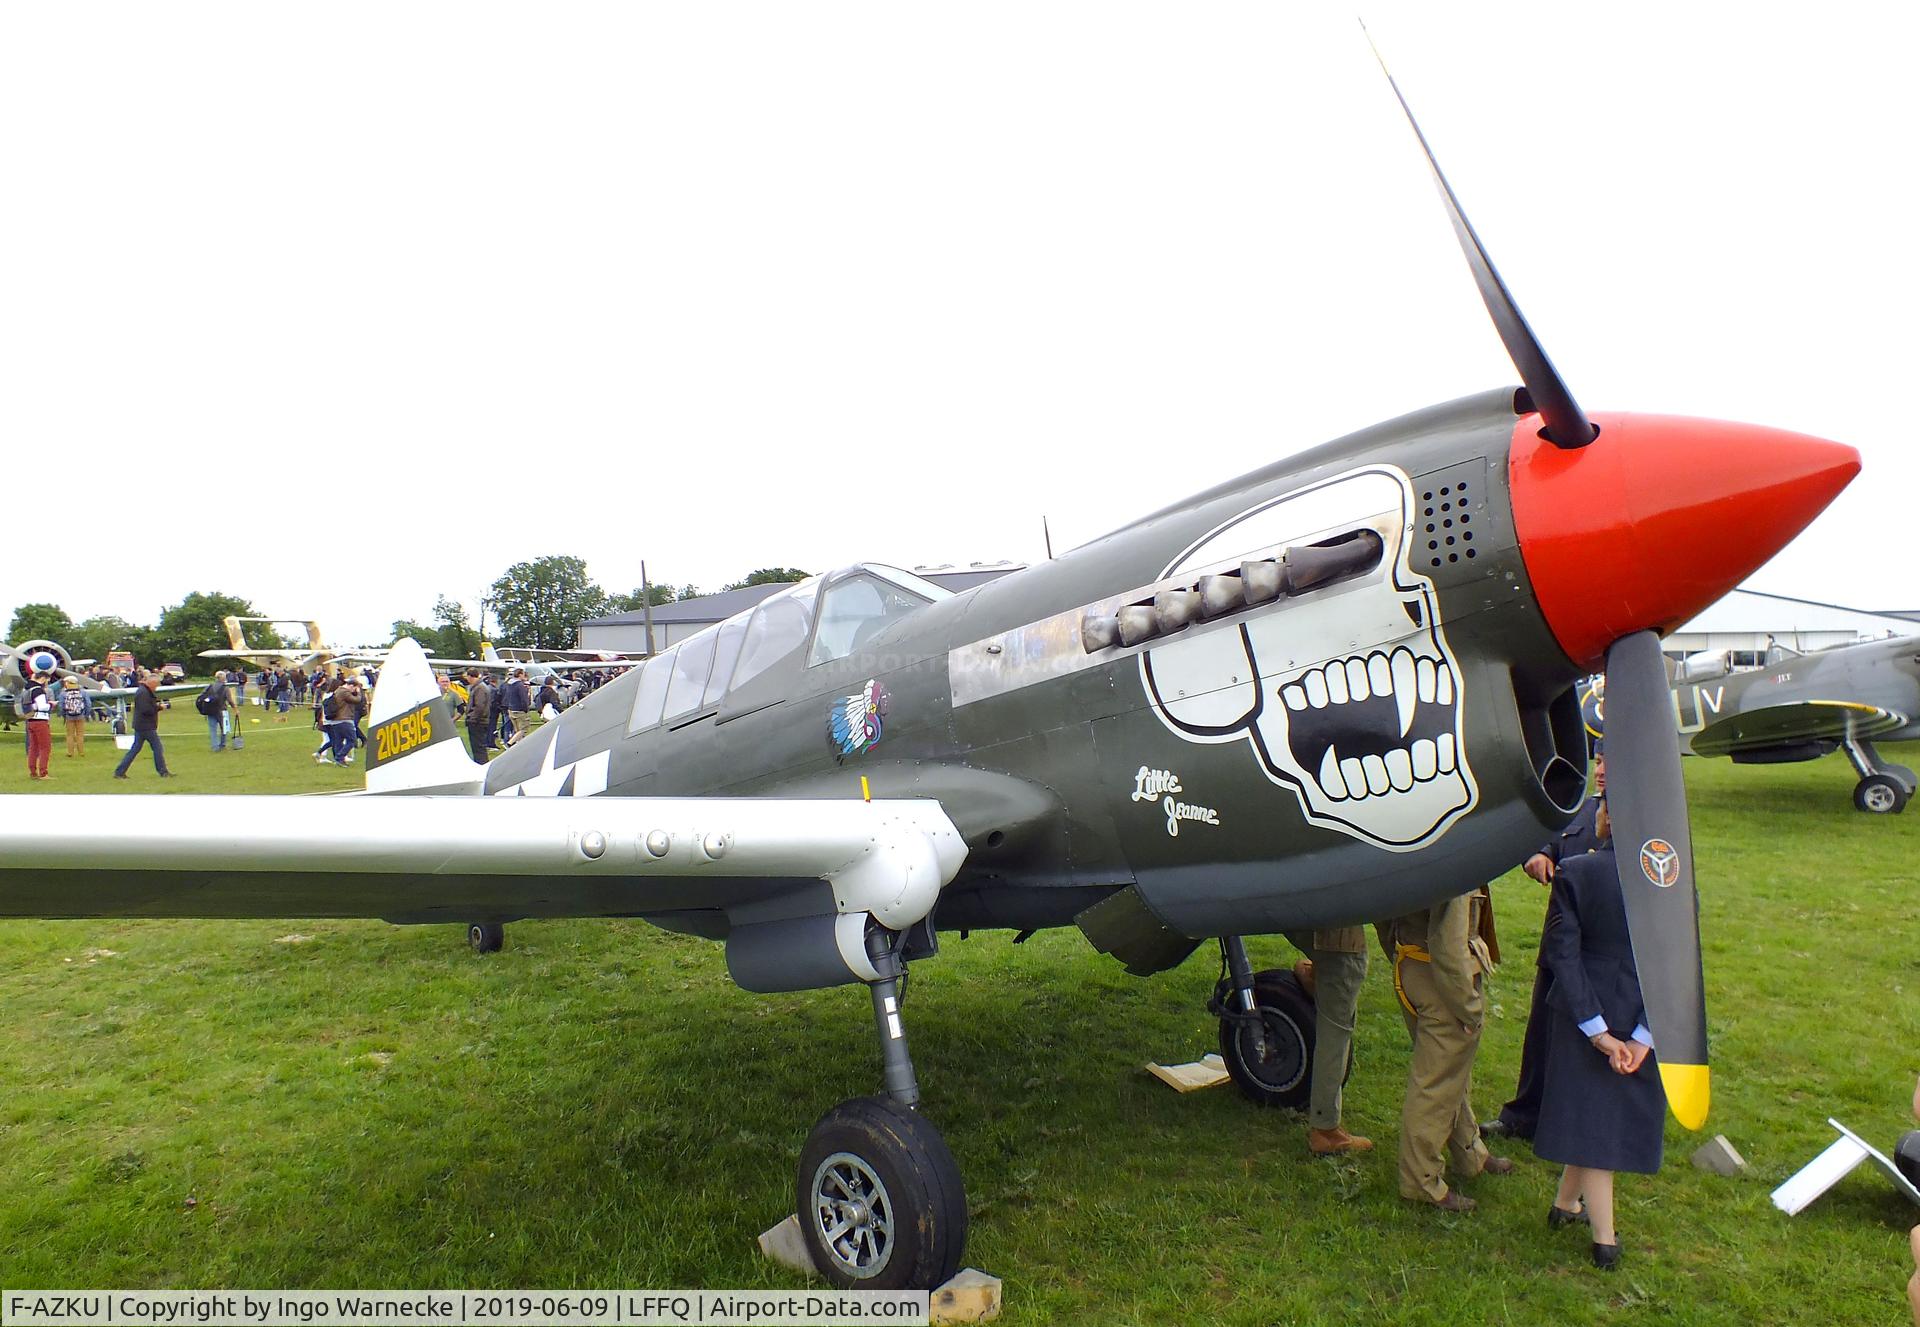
(76, 737)
(1337, 978)
(1436, 1123)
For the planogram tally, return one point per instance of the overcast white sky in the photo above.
(722, 286)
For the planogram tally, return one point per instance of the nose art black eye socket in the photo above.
(1413, 611)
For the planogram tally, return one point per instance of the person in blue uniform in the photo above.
(1518, 1117)
(1603, 1109)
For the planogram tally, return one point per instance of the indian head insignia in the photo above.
(854, 723)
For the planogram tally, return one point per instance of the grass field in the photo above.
(329, 1104)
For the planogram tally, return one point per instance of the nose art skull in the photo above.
(1348, 694)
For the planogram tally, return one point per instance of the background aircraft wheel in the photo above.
(1880, 795)
(486, 937)
(1282, 1073)
(880, 1199)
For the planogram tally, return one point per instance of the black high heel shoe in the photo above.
(1559, 1218)
(1606, 1256)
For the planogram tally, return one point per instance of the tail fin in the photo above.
(235, 636)
(413, 742)
(490, 654)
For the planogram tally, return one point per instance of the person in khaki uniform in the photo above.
(1440, 956)
(1332, 973)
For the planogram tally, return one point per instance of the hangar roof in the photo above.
(1753, 611)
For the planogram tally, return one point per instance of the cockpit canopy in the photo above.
(831, 615)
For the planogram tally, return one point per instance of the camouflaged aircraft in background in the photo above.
(1801, 707)
(1337, 688)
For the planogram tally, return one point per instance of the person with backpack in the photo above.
(76, 707)
(37, 706)
(213, 703)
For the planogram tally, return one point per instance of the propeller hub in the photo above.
(1659, 518)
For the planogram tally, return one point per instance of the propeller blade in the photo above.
(1653, 852)
(1566, 423)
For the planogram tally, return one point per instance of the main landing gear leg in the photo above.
(1266, 1030)
(1883, 789)
(879, 1198)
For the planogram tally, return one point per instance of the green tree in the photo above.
(768, 576)
(543, 602)
(634, 600)
(40, 622)
(458, 640)
(96, 637)
(429, 637)
(192, 625)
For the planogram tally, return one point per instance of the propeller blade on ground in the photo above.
(1566, 423)
(1653, 851)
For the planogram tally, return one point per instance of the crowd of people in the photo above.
(500, 711)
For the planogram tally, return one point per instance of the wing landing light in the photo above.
(1625, 539)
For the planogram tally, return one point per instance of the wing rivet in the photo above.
(658, 842)
(715, 846)
(592, 844)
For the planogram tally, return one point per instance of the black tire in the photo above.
(486, 937)
(889, 1171)
(1283, 1076)
(1880, 795)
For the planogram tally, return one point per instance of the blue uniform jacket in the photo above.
(1587, 947)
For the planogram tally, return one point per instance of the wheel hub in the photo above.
(853, 1215)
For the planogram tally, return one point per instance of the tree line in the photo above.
(540, 602)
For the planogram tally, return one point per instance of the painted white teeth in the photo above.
(1376, 772)
(1379, 675)
(1400, 770)
(1403, 689)
(1425, 759)
(1446, 752)
(1354, 777)
(1443, 686)
(1336, 683)
(1423, 671)
(1357, 680)
(1331, 783)
(1295, 697)
(1316, 690)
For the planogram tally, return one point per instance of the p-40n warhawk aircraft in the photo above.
(1334, 689)
(1802, 707)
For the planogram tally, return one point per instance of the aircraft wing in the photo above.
(451, 859)
(1786, 725)
(121, 693)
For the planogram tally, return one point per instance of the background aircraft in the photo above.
(315, 654)
(1802, 707)
(1338, 687)
(18, 664)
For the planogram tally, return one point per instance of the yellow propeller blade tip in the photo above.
(1688, 1092)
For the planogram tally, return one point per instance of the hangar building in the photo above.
(1745, 622)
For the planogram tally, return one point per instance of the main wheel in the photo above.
(1280, 1071)
(880, 1199)
(486, 937)
(1880, 795)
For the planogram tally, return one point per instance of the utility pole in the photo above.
(646, 605)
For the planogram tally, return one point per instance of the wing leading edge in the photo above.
(1786, 725)
(450, 858)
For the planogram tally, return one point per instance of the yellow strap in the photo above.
(1418, 955)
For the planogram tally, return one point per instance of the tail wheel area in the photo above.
(486, 937)
(1880, 795)
(880, 1199)
(1271, 1062)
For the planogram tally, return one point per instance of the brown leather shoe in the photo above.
(1455, 1201)
(1497, 1166)
(1303, 973)
(1332, 1142)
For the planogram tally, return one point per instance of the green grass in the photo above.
(213, 1104)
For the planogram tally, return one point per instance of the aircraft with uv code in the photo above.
(1800, 706)
(1334, 689)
